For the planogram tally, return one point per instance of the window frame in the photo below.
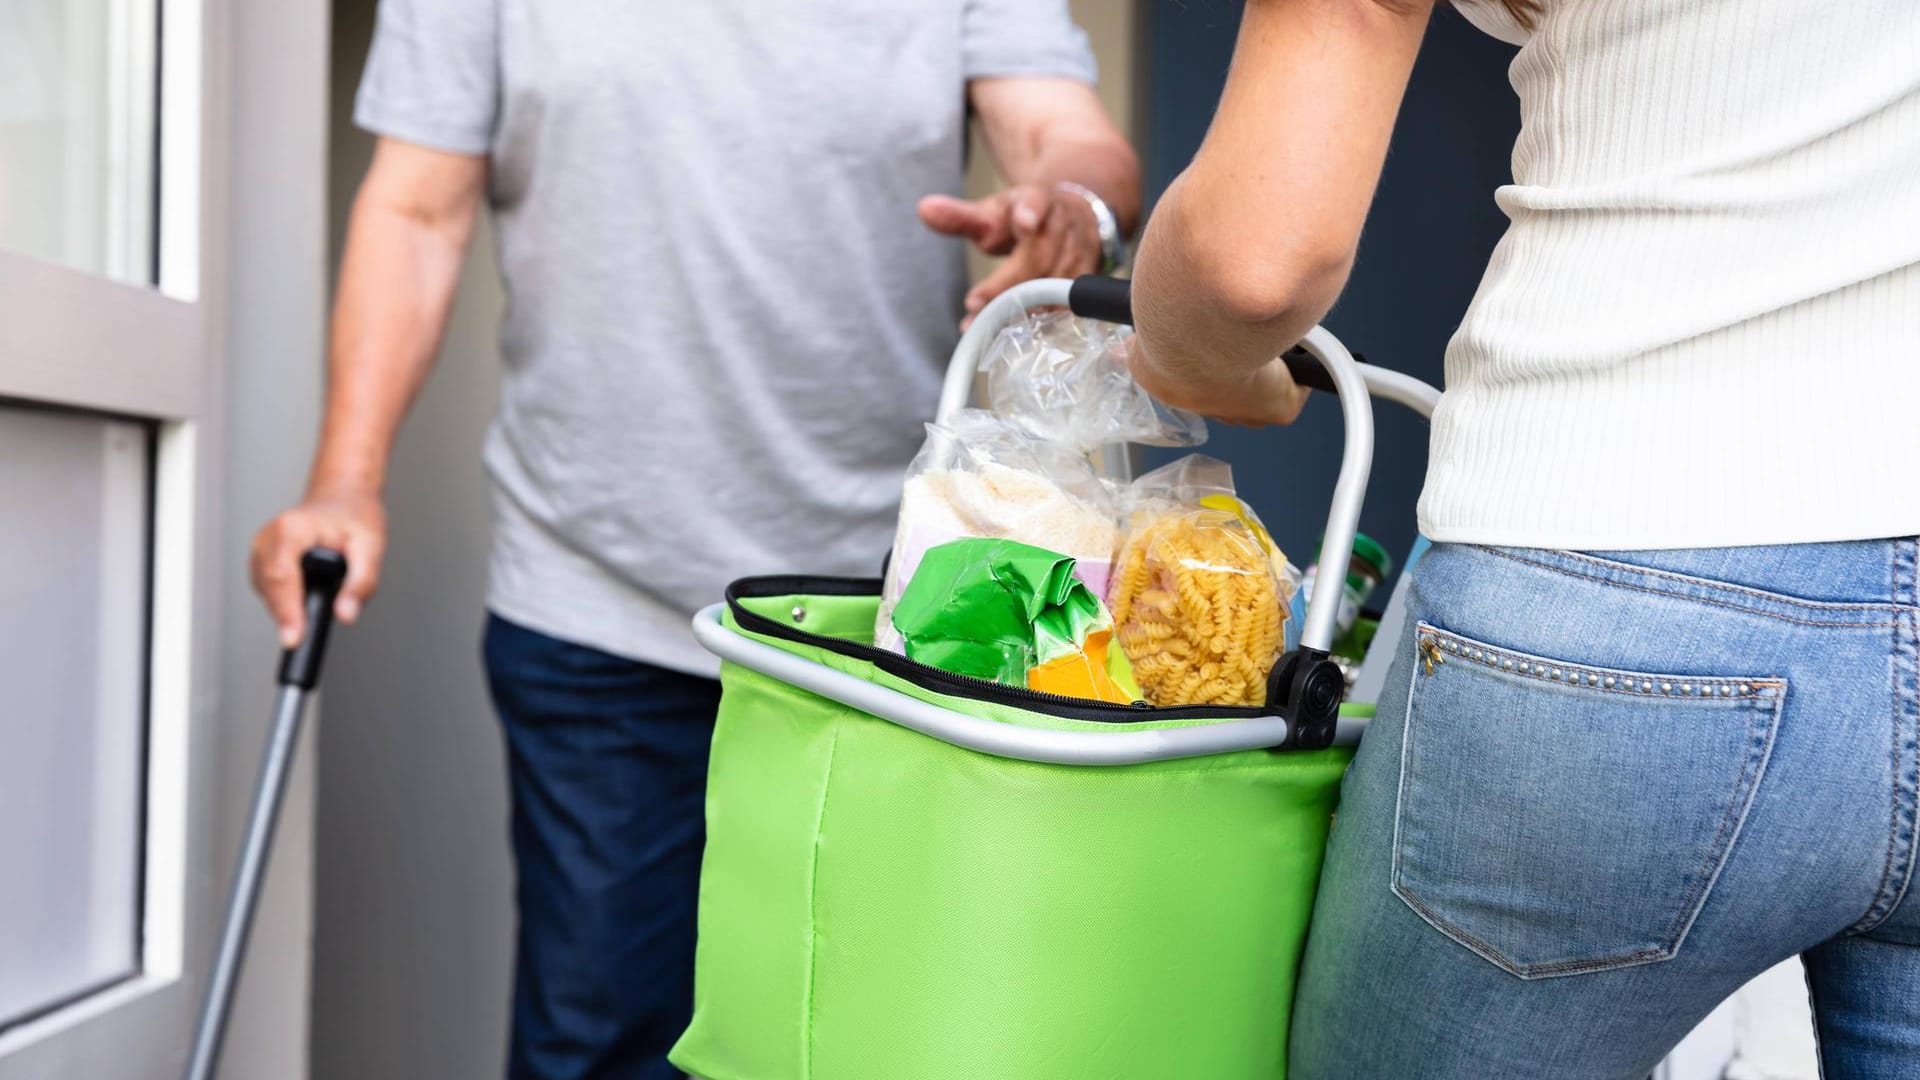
(136, 482)
(153, 352)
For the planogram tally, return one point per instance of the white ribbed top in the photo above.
(1702, 327)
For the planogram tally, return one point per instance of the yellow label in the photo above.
(1229, 504)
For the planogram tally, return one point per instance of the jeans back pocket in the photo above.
(1560, 818)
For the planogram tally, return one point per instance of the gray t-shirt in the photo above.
(725, 322)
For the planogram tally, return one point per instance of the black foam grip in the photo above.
(1307, 370)
(1096, 296)
(323, 570)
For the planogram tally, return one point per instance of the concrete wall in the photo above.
(414, 912)
(414, 923)
(276, 293)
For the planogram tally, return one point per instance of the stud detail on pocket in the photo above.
(1436, 647)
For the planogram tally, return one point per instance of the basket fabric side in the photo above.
(876, 904)
(767, 781)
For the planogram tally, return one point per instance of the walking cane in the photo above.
(323, 570)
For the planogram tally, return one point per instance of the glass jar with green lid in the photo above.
(1369, 566)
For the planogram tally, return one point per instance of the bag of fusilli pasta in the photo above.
(1199, 594)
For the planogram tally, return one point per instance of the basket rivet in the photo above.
(799, 614)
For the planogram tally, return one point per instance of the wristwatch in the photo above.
(1113, 246)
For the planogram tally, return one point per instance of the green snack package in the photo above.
(1011, 613)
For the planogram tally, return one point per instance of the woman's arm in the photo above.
(1249, 247)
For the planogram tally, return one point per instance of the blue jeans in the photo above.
(608, 759)
(1603, 792)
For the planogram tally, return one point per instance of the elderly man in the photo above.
(726, 233)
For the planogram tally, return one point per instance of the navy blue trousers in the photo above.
(608, 764)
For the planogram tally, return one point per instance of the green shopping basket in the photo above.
(916, 875)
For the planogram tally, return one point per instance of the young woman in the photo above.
(1655, 724)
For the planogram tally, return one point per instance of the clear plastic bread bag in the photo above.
(1023, 470)
(1200, 596)
(1065, 380)
(980, 475)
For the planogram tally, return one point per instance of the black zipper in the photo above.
(936, 680)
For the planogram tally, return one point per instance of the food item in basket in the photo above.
(1065, 379)
(1198, 610)
(996, 501)
(980, 476)
(1199, 594)
(1365, 571)
(1014, 614)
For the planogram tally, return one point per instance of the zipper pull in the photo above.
(1430, 652)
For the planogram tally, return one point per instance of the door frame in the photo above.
(153, 352)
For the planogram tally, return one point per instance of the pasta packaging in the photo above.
(1200, 595)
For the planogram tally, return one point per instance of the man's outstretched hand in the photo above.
(1043, 231)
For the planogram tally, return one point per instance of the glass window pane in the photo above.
(73, 603)
(77, 98)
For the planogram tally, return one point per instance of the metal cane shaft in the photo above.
(274, 769)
